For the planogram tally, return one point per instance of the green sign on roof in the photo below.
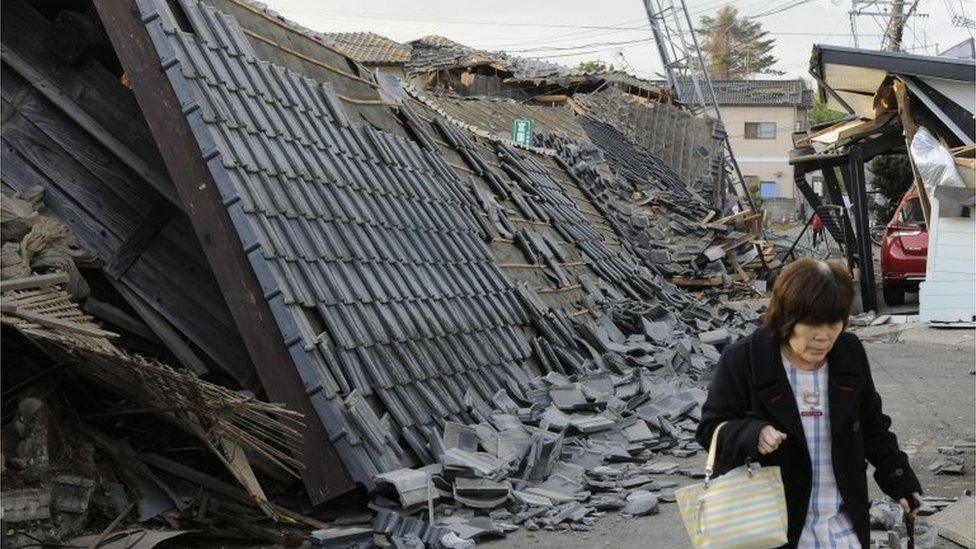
(522, 131)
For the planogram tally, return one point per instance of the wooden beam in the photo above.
(324, 474)
(136, 243)
(162, 329)
(685, 282)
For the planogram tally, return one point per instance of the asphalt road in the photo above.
(925, 377)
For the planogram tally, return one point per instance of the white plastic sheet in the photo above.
(934, 162)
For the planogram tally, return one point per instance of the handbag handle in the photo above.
(712, 453)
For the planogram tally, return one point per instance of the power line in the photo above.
(582, 46)
(570, 35)
(403, 17)
(586, 52)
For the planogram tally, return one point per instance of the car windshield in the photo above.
(911, 213)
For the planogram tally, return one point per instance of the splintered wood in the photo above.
(739, 244)
(226, 422)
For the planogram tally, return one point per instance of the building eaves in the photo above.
(949, 68)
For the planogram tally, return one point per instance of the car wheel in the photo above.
(893, 295)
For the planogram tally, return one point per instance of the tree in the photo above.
(736, 48)
(594, 66)
(821, 113)
(892, 178)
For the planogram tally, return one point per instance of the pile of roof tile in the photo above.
(583, 439)
(668, 226)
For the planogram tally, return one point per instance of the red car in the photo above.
(904, 249)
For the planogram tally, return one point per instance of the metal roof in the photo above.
(949, 68)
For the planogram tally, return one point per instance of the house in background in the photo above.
(760, 117)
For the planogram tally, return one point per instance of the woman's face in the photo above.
(812, 342)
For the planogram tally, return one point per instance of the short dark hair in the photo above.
(811, 292)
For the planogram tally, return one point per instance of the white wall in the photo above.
(948, 293)
(767, 159)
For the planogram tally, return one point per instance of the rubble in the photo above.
(377, 304)
(948, 465)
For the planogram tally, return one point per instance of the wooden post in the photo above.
(324, 475)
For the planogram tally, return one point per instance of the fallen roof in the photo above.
(494, 116)
(434, 52)
(690, 145)
(369, 47)
(850, 79)
(387, 281)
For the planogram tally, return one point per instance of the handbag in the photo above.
(742, 509)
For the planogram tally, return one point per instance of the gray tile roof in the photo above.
(381, 253)
(368, 47)
(435, 52)
(379, 283)
(759, 92)
(762, 92)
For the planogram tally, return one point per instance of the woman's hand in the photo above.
(770, 439)
(908, 509)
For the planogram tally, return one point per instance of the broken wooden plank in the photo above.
(220, 487)
(33, 282)
(54, 323)
(687, 282)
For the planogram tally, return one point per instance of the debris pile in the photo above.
(584, 439)
(888, 527)
(69, 392)
(664, 223)
(951, 460)
(471, 335)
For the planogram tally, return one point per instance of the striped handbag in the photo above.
(742, 509)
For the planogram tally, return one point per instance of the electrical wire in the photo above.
(591, 45)
(403, 17)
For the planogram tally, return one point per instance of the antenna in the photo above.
(687, 74)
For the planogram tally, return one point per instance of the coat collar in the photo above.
(772, 388)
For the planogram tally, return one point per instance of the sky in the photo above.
(617, 31)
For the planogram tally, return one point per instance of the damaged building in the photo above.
(516, 330)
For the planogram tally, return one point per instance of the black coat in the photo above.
(750, 390)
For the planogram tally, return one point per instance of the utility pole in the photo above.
(896, 26)
(888, 16)
(687, 74)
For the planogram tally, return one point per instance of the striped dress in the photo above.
(827, 526)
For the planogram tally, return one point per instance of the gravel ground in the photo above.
(925, 377)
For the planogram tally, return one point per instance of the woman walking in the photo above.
(798, 394)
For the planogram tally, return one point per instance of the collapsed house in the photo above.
(509, 325)
(904, 103)
(644, 110)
